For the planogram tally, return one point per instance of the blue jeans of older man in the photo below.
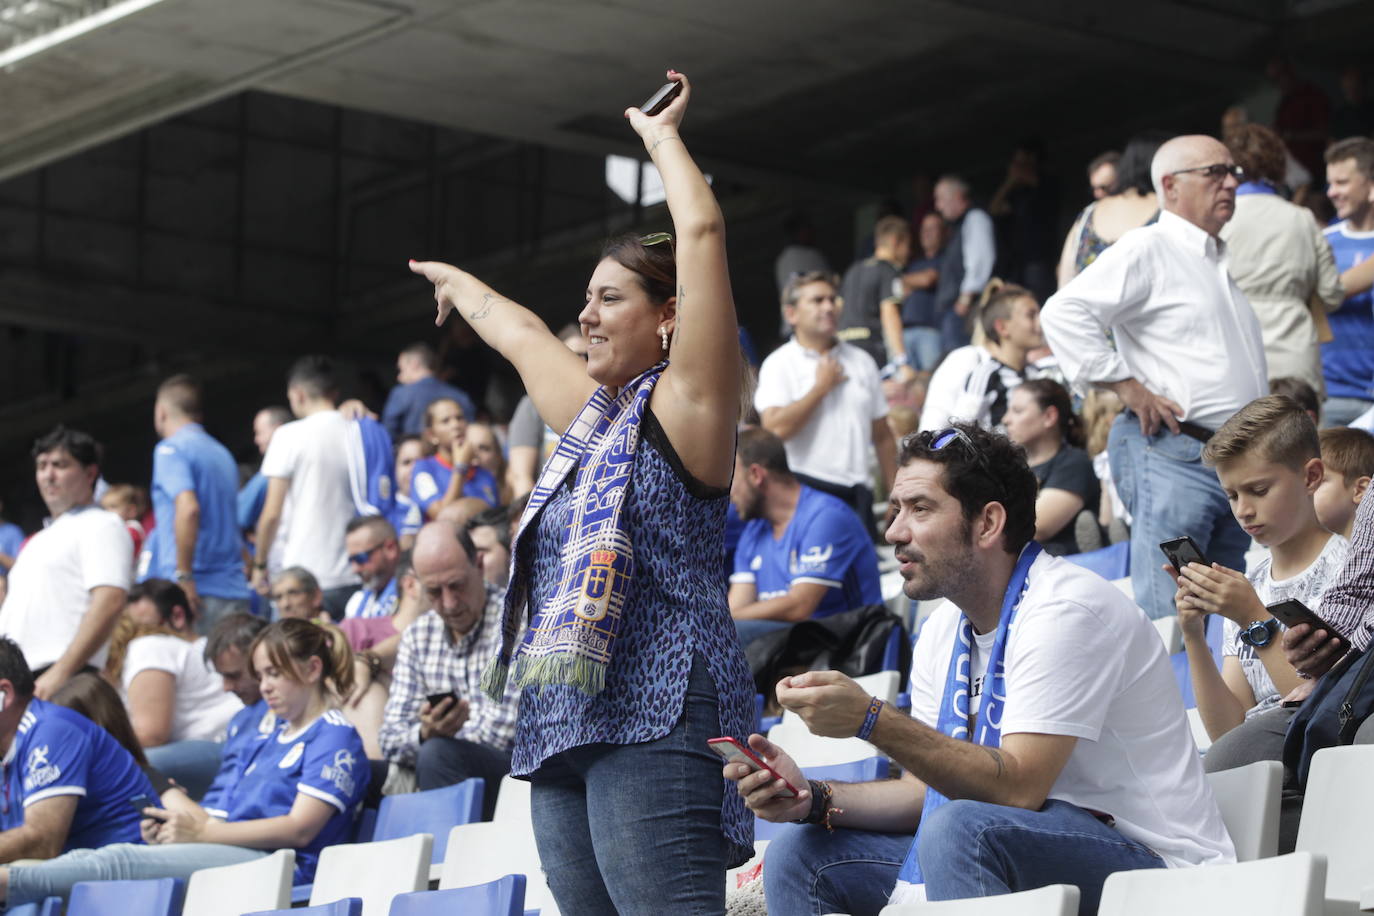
(1169, 493)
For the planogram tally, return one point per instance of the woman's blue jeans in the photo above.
(636, 828)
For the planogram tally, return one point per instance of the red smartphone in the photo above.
(661, 99)
(731, 751)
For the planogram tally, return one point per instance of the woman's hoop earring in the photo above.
(663, 335)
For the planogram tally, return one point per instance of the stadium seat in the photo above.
(1054, 900)
(484, 852)
(732, 875)
(855, 771)
(891, 584)
(348, 906)
(513, 804)
(374, 872)
(365, 826)
(152, 897)
(1200, 736)
(502, 897)
(436, 812)
(808, 750)
(1248, 797)
(1336, 813)
(1170, 632)
(52, 906)
(263, 884)
(1281, 886)
(1110, 563)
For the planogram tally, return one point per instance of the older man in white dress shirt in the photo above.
(1188, 354)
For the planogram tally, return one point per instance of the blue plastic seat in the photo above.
(152, 897)
(348, 906)
(857, 771)
(52, 906)
(435, 811)
(1110, 563)
(502, 897)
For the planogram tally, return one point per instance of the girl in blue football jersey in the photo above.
(298, 785)
(452, 472)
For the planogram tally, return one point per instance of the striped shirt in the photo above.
(1348, 604)
(427, 662)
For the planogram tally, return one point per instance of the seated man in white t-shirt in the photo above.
(67, 586)
(1081, 762)
(177, 703)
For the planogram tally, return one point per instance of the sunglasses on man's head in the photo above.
(935, 441)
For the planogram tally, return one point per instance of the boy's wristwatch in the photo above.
(1259, 633)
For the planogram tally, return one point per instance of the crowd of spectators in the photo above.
(258, 658)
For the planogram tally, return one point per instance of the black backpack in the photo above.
(853, 643)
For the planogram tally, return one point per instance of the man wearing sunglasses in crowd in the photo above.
(1046, 742)
(1158, 319)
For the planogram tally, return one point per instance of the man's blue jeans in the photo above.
(120, 861)
(924, 347)
(635, 828)
(1169, 493)
(968, 849)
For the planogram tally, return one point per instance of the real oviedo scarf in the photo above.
(571, 637)
(954, 708)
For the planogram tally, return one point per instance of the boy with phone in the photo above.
(1268, 459)
(1348, 457)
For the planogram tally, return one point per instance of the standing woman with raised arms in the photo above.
(616, 623)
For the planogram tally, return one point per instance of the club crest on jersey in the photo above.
(340, 772)
(38, 772)
(292, 755)
(595, 599)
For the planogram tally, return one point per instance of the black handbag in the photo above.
(1337, 707)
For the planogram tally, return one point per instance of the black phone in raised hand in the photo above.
(661, 99)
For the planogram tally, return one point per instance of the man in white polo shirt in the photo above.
(1184, 354)
(823, 398)
(68, 585)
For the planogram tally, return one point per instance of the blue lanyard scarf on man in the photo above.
(954, 708)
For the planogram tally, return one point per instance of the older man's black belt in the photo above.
(1191, 430)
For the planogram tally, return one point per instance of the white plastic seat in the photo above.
(1053, 900)
(478, 853)
(375, 872)
(513, 802)
(760, 846)
(1281, 886)
(1200, 736)
(891, 584)
(808, 750)
(1336, 814)
(885, 685)
(1248, 797)
(230, 890)
(1169, 631)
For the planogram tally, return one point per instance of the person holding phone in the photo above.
(1268, 459)
(300, 786)
(629, 662)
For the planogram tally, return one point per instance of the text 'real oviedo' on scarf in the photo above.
(954, 707)
(571, 638)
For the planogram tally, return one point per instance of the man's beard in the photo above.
(949, 575)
